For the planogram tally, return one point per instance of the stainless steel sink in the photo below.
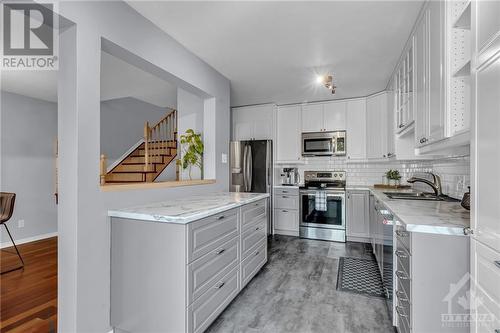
(418, 196)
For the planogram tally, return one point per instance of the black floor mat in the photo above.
(360, 276)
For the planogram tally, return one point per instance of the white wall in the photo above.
(122, 124)
(28, 133)
(190, 113)
(84, 230)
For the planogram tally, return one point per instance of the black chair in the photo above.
(7, 201)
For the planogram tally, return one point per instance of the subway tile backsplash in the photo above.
(454, 172)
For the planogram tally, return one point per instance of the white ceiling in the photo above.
(272, 51)
(118, 79)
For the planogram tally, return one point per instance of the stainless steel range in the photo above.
(322, 205)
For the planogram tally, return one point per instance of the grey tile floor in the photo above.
(296, 292)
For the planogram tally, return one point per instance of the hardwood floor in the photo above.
(29, 296)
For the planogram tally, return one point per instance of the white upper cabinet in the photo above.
(288, 132)
(253, 122)
(436, 109)
(312, 118)
(356, 129)
(323, 117)
(379, 127)
(488, 16)
(486, 196)
(421, 85)
(334, 116)
(403, 83)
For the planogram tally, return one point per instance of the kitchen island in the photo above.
(176, 265)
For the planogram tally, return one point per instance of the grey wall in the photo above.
(28, 133)
(122, 124)
(84, 230)
(190, 109)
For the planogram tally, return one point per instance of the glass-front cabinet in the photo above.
(404, 101)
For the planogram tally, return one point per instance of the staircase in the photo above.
(147, 160)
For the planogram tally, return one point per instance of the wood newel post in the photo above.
(146, 146)
(103, 167)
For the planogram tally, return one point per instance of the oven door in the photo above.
(318, 144)
(334, 215)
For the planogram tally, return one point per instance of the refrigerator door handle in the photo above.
(250, 170)
(245, 181)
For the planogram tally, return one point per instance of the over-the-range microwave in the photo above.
(324, 143)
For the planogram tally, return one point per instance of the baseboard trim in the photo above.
(28, 239)
(286, 232)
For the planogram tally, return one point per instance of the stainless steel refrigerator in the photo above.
(251, 169)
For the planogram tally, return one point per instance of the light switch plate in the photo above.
(224, 158)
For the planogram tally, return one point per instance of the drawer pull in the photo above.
(257, 228)
(402, 233)
(401, 254)
(256, 204)
(219, 251)
(402, 296)
(497, 263)
(401, 312)
(284, 211)
(220, 217)
(402, 275)
(220, 285)
(284, 196)
(257, 253)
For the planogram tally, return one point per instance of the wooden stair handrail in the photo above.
(157, 137)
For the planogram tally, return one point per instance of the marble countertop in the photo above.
(435, 217)
(185, 210)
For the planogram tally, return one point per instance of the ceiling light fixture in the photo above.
(327, 81)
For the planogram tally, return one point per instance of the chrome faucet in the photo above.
(435, 184)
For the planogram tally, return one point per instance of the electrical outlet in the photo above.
(224, 158)
(20, 224)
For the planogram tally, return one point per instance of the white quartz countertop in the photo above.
(437, 217)
(185, 210)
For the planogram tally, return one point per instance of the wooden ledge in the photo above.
(154, 185)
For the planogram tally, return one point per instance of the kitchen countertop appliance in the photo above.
(251, 166)
(290, 177)
(324, 143)
(327, 220)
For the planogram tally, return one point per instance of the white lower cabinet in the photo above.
(173, 277)
(286, 211)
(357, 215)
(485, 303)
(431, 281)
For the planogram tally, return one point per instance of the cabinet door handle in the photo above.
(284, 191)
(219, 251)
(284, 211)
(219, 285)
(401, 296)
(257, 228)
(257, 253)
(284, 197)
(402, 275)
(468, 231)
(220, 217)
(400, 311)
(402, 233)
(401, 254)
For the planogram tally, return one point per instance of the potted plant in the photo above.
(192, 151)
(393, 176)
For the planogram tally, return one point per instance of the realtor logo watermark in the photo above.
(29, 40)
(463, 305)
